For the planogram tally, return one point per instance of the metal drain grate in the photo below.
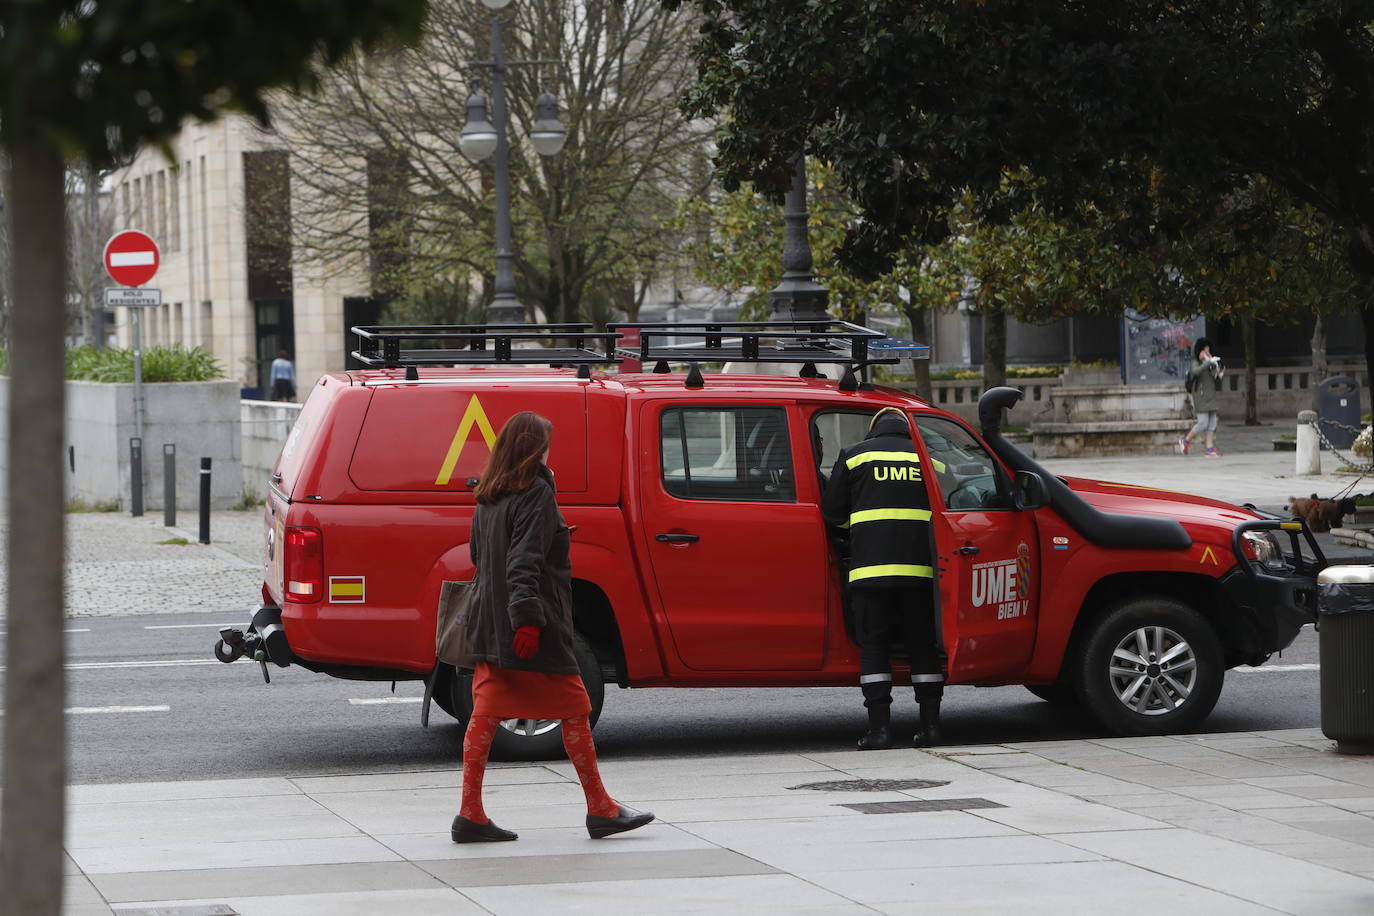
(912, 807)
(872, 785)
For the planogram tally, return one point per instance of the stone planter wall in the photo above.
(200, 418)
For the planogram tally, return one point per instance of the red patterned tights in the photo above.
(577, 741)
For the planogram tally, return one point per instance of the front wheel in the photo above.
(1151, 666)
(530, 739)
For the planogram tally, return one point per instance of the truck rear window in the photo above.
(438, 437)
(727, 453)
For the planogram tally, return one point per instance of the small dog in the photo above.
(1321, 514)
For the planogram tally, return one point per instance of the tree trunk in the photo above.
(34, 731)
(1367, 321)
(1247, 333)
(994, 347)
(1320, 368)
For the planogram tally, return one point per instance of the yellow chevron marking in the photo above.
(473, 416)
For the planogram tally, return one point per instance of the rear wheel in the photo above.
(1152, 666)
(530, 739)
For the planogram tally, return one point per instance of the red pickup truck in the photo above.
(700, 558)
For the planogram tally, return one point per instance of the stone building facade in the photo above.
(220, 211)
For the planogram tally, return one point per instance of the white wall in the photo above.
(200, 418)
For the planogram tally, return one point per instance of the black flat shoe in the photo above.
(628, 819)
(466, 831)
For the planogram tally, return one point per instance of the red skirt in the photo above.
(508, 694)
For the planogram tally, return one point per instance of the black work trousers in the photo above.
(883, 615)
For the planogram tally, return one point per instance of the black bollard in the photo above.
(136, 475)
(169, 484)
(205, 500)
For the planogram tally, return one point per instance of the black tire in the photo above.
(1059, 694)
(1137, 695)
(531, 739)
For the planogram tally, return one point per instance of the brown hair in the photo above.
(515, 458)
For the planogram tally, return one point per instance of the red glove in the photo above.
(526, 642)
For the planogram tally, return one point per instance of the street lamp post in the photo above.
(798, 296)
(480, 138)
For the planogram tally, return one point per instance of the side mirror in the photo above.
(1029, 491)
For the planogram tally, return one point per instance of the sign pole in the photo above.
(138, 372)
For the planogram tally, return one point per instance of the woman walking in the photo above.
(522, 629)
(1204, 379)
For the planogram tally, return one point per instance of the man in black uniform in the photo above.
(878, 492)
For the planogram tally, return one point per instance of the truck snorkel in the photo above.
(1104, 528)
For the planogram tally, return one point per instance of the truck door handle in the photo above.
(968, 550)
(677, 538)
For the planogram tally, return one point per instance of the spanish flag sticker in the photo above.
(347, 589)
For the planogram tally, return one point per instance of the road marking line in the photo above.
(186, 626)
(1277, 669)
(94, 710)
(165, 663)
(86, 630)
(381, 701)
(150, 663)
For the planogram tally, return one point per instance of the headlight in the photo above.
(1265, 548)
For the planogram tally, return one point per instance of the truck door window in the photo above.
(832, 430)
(968, 476)
(731, 453)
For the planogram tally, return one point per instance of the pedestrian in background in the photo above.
(878, 492)
(522, 628)
(1204, 383)
(283, 377)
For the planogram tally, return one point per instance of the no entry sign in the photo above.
(131, 257)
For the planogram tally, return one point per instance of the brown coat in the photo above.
(524, 578)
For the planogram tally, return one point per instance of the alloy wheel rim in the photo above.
(529, 728)
(1153, 671)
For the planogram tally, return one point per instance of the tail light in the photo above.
(303, 565)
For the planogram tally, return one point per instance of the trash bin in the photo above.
(1338, 401)
(1345, 621)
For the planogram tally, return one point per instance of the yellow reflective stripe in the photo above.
(881, 456)
(882, 515)
(891, 569)
(939, 465)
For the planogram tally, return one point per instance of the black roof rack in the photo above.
(819, 341)
(484, 345)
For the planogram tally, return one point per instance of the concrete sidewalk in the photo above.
(1227, 823)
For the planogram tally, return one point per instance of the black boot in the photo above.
(879, 737)
(928, 735)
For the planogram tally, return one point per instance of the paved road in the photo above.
(150, 704)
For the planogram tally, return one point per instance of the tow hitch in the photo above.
(264, 641)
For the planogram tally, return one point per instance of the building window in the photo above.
(174, 202)
(207, 326)
(160, 213)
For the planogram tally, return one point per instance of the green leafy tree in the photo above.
(93, 80)
(918, 104)
(736, 243)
